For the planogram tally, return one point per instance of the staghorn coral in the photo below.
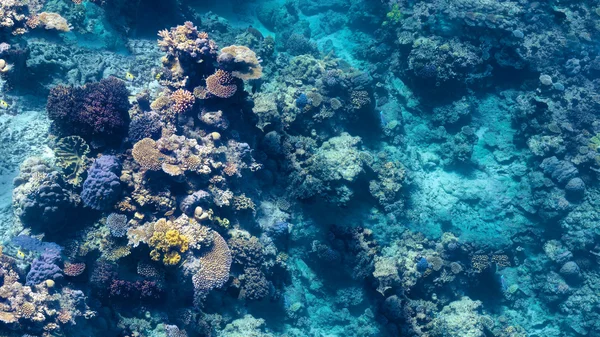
(241, 61)
(71, 155)
(221, 84)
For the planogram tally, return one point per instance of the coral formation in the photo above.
(102, 187)
(372, 168)
(96, 112)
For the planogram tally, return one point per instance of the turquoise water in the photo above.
(332, 168)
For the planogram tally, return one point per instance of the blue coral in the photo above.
(117, 224)
(34, 244)
(102, 187)
(302, 101)
(44, 268)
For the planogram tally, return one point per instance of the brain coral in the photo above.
(215, 265)
(102, 187)
(221, 84)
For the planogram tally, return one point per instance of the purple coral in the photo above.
(44, 268)
(96, 111)
(102, 187)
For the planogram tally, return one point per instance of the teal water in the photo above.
(332, 168)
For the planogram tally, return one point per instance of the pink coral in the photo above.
(221, 84)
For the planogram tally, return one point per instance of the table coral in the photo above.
(241, 61)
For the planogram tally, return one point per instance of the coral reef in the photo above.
(299, 168)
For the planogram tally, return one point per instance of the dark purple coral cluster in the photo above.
(97, 111)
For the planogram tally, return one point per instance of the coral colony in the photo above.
(299, 168)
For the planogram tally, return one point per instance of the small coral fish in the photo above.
(20, 254)
(129, 76)
(3, 104)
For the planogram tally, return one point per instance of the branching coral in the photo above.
(73, 269)
(187, 40)
(183, 101)
(96, 111)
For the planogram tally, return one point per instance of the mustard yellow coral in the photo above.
(171, 258)
(168, 243)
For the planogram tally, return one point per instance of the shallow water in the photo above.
(299, 168)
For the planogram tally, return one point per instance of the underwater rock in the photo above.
(561, 171)
(570, 271)
(575, 188)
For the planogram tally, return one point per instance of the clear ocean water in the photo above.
(291, 168)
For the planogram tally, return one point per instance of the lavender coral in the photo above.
(44, 268)
(102, 187)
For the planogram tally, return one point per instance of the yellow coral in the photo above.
(171, 258)
(54, 21)
(175, 239)
(167, 242)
